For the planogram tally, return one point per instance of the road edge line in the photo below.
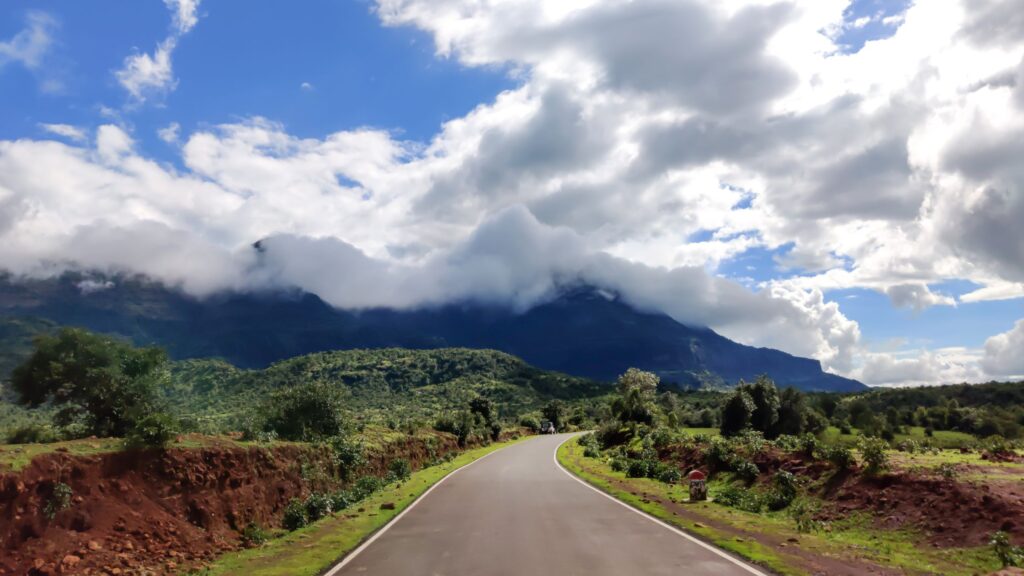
(380, 531)
(654, 519)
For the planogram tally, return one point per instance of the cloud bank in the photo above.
(646, 143)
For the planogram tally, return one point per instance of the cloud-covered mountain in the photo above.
(582, 331)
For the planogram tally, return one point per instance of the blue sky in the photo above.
(411, 131)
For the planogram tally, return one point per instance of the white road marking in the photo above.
(351, 556)
(664, 524)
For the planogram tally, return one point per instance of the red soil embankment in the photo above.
(163, 511)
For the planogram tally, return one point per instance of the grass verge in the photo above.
(313, 549)
(771, 539)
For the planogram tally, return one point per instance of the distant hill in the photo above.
(382, 384)
(584, 332)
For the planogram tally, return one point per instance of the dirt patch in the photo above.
(953, 514)
(162, 512)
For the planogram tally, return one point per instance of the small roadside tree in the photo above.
(636, 394)
(102, 386)
(312, 411)
(736, 413)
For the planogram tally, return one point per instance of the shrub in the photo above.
(348, 456)
(612, 434)
(670, 475)
(839, 456)
(783, 490)
(661, 437)
(803, 516)
(318, 505)
(948, 471)
(1008, 554)
(59, 500)
(619, 464)
(809, 445)
(719, 454)
(873, 450)
(640, 468)
(31, 434)
(342, 499)
(746, 470)
(591, 447)
(399, 469)
(845, 429)
(295, 515)
(366, 485)
(254, 535)
(739, 498)
(306, 412)
(153, 431)
(531, 422)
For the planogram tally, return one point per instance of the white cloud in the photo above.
(144, 75)
(68, 131)
(1004, 353)
(306, 87)
(740, 123)
(29, 46)
(169, 133)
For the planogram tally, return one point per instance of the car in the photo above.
(547, 427)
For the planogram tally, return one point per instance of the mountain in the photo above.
(584, 332)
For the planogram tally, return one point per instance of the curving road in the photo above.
(517, 512)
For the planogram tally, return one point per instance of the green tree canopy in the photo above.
(100, 383)
(636, 393)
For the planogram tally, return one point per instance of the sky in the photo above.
(839, 180)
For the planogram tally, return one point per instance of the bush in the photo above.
(318, 505)
(154, 431)
(803, 516)
(399, 470)
(59, 500)
(306, 412)
(366, 486)
(531, 422)
(783, 490)
(948, 471)
(873, 450)
(719, 454)
(295, 515)
(670, 475)
(640, 468)
(254, 535)
(31, 434)
(839, 456)
(739, 498)
(348, 456)
(1008, 554)
(591, 447)
(746, 470)
(342, 500)
(661, 437)
(809, 445)
(612, 434)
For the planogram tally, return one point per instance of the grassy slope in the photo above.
(311, 550)
(855, 539)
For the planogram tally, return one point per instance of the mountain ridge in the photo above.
(584, 331)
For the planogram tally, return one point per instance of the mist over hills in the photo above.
(583, 332)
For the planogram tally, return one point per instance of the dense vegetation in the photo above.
(97, 385)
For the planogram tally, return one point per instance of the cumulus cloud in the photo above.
(645, 143)
(1004, 353)
(144, 75)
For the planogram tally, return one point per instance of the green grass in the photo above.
(855, 538)
(940, 438)
(15, 457)
(311, 550)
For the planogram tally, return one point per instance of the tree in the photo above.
(312, 411)
(103, 385)
(635, 400)
(792, 414)
(736, 413)
(554, 411)
(766, 404)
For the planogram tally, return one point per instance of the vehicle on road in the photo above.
(547, 427)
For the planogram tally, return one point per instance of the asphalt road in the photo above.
(517, 512)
